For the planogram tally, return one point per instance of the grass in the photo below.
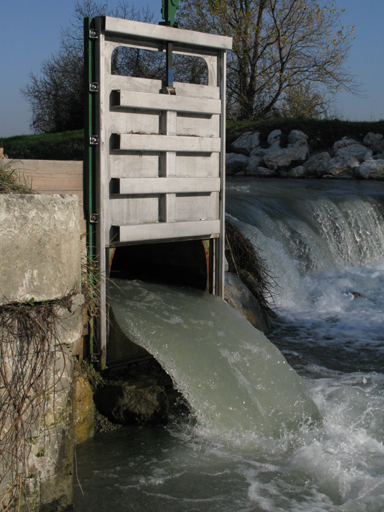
(11, 182)
(50, 146)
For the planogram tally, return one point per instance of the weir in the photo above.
(155, 153)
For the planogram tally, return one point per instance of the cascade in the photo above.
(229, 372)
(322, 242)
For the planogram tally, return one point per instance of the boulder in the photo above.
(343, 143)
(238, 296)
(246, 143)
(253, 164)
(317, 164)
(262, 172)
(283, 157)
(342, 165)
(235, 163)
(362, 153)
(373, 169)
(295, 136)
(127, 404)
(274, 139)
(297, 172)
(259, 152)
(375, 141)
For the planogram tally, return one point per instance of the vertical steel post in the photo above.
(89, 166)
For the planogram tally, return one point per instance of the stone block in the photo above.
(40, 247)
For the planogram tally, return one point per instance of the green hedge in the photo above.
(52, 146)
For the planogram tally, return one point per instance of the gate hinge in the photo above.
(94, 87)
(94, 140)
(93, 34)
(94, 218)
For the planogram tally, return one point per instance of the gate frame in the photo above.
(96, 180)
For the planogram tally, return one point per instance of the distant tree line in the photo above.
(288, 59)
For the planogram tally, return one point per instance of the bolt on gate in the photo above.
(154, 166)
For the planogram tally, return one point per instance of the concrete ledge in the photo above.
(40, 247)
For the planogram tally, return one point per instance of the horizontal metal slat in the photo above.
(166, 102)
(172, 230)
(161, 33)
(168, 185)
(135, 142)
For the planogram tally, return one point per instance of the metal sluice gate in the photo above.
(154, 168)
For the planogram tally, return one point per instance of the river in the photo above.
(322, 242)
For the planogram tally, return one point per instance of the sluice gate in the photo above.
(154, 170)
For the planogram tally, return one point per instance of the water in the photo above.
(323, 242)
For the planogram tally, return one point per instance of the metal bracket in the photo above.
(94, 87)
(94, 140)
(94, 218)
(94, 357)
(93, 34)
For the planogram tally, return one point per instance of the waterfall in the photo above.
(230, 374)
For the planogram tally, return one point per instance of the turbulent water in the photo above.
(323, 244)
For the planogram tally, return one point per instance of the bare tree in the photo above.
(56, 95)
(280, 48)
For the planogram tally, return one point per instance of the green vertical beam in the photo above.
(89, 130)
(89, 168)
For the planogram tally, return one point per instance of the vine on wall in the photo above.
(29, 347)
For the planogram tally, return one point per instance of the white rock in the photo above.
(317, 164)
(235, 163)
(343, 143)
(373, 169)
(246, 143)
(362, 153)
(274, 139)
(262, 172)
(375, 141)
(283, 157)
(253, 164)
(341, 165)
(295, 136)
(259, 152)
(297, 172)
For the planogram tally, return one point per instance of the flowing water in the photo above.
(323, 244)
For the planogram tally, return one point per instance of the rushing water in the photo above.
(323, 244)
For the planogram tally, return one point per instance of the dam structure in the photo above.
(154, 170)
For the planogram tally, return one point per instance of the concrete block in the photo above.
(40, 247)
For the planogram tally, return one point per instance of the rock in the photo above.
(362, 153)
(262, 172)
(238, 296)
(375, 141)
(317, 164)
(283, 157)
(246, 143)
(295, 136)
(342, 165)
(274, 139)
(235, 163)
(259, 152)
(253, 164)
(83, 407)
(373, 169)
(297, 172)
(127, 404)
(343, 143)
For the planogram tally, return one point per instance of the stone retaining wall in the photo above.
(40, 261)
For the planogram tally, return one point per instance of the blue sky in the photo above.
(30, 33)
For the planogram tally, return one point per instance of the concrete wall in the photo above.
(40, 259)
(53, 177)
